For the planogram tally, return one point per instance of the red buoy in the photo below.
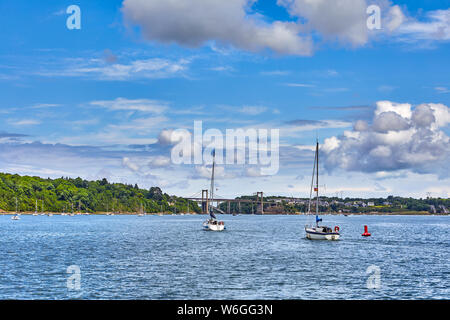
(366, 233)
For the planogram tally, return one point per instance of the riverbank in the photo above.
(373, 213)
(94, 213)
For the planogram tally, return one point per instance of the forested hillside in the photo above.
(63, 194)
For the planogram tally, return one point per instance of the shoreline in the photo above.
(401, 213)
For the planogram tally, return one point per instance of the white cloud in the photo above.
(193, 23)
(275, 73)
(342, 20)
(99, 69)
(159, 162)
(442, 89)
(394, 18)
(171, 136)
(399, 138)
(149, 68)
(301, 125)
(144, 105)
(302, 85)
(436, 27)
(24, 122)
(126, 162)
(254, 172)
(204, 172)
(253, 110)
(44, 105)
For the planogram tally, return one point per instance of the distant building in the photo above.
(371, 204)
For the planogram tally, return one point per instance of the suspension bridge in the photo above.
(203, 198)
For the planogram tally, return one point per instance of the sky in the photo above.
(104, 100)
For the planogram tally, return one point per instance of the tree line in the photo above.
(73, 195)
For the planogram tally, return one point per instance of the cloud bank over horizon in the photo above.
(398, 137)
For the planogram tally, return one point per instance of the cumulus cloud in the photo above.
(399, 137)
(194, 22)
(344, 20)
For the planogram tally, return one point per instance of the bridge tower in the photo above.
(260, 199)
(205, 201)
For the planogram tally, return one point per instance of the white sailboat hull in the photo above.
(207, 226)
(313, 234)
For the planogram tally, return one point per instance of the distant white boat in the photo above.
(16, 215)
(316, 232)
(35, 210)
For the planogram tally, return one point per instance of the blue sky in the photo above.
(95, 102)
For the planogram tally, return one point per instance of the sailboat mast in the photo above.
(211, 193)
(312, 184)
(317, 178)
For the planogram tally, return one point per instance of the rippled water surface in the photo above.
(257, 257)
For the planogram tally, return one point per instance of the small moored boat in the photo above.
(316, 232)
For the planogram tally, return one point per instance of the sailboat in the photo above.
(212, 224)
(48, 214)
(35, 210)
(15, 216)
(42, 203)
(71, 212)
(317, 232)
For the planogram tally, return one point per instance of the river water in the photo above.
(257, 257)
